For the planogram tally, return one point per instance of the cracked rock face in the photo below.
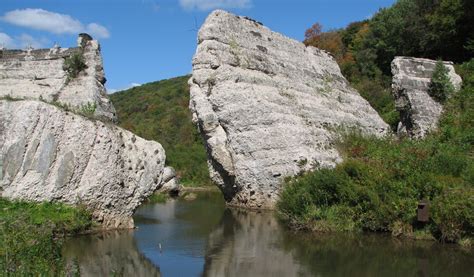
(35, 74)
(47, 154)
(418, 111)
(268, 107)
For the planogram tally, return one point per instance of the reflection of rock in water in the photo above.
(107, 254)
(245, 244)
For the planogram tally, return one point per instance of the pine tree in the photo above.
(440, 86)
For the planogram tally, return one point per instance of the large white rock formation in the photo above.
(418, 111)
(35, 74)
(49, 154)
(268, 107)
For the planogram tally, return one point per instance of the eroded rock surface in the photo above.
(268, 107)
(48, 154)
(418, 111)
(35, 74)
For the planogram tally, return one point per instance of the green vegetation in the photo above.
(158, 198)
(420, 28)
(381, 181)
(159, 111)
(8, 97)
(31, 235)
(440, 86)
(87, 110)
(74, 64)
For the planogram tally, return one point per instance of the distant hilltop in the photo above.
(69, 76)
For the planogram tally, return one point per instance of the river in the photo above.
(204, 238)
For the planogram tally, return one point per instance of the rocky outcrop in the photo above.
(171, 183)
(42, 74)
(48, 154)
(419, 113)
(268, 107)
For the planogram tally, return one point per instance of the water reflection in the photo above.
(106, 254)
(377, 255)
(202, 237)
(246, 243)
(183, 231)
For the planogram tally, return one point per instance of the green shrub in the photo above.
(88, 110)
(453, 214)
(74, 64)
(440, 87)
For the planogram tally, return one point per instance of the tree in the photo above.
(440, 86)
(329, 41)
(312, 33)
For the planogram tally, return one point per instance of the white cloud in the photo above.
(97, 30)
(204, 5)
(22, 41)
(55, 23)
(40, 19)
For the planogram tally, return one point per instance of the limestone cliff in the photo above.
(268, 107)
(411, 79)
(49, 154)
(42, 73)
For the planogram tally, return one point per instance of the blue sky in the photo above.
(149, 40)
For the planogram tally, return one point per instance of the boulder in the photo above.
(170, 181)
(268, 107)
(419, 113)
(48, 154)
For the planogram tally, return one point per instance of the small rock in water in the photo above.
(190, 196)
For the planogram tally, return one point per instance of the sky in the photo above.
(148, 40)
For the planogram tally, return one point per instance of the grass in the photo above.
(159, 111)
(86, 110)
(158, 198)
(381, 181)
(32, 234)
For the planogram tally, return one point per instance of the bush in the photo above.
(74, 64)
(440, 87)
(88, 110)
(453, 214)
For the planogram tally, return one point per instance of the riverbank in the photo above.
(31, 236)
(381, 182)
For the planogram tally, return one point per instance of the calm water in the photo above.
(203, 238)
